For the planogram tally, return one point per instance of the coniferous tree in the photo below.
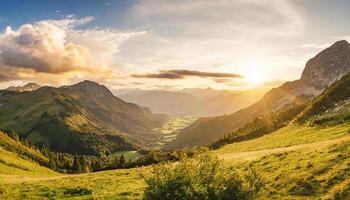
(76, 165)
(122, 161)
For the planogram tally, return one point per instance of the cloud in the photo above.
(210, 35)
(59, 47)
(182, 73)
(160, 75)
(43, 47)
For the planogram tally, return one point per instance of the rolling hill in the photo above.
(334, 59)
(85, 118)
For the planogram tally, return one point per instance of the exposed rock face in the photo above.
(26, 88)
(328, 66)
(321, 71)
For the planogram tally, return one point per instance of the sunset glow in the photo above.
(129, 43)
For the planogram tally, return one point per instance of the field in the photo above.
(295, 162)
(117, 184)
(132, 155)
(171, 128)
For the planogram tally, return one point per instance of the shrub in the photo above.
(203, 176)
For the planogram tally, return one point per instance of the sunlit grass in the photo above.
(115, 184)
(298, 173)
(287, 136)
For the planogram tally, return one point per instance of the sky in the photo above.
(168, 44)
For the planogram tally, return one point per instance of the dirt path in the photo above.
(253, 155)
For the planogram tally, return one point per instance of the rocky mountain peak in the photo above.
(328, 66)
(92, 88)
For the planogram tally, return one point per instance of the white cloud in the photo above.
(59, 47)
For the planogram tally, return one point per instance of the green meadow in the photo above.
(296, 162)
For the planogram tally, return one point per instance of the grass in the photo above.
(298, 162)
(11, 164)
(24, 179)
(171, 128)
(291, 135)
(321, 173)
(116, 184)
(318, 169)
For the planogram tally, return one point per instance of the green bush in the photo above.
(203, 176)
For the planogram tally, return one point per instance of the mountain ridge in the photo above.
(83, 118)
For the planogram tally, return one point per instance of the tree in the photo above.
(122, 161)
(83, 164)
(203, 176)
(76, 165)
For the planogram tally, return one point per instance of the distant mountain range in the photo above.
(321, 71)
(85, 118)
(194, 101)
(28, 87)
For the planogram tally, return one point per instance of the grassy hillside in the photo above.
(296, 162)
(320, 172)
(288, 136)
(84, 118)
(118, 184)
(18, 159)
(8, 144)
(12, 164)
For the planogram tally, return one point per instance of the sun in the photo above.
(254, 72)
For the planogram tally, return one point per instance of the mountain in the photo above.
(330, 108)
(332, 105)
(85, 118)
(193, 101)
(25, 88)
(326, 67)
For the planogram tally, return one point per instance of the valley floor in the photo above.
(295, 162)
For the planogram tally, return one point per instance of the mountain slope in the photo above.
(84, 118)
(331, 105)
(16, 158)
(207, 130)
